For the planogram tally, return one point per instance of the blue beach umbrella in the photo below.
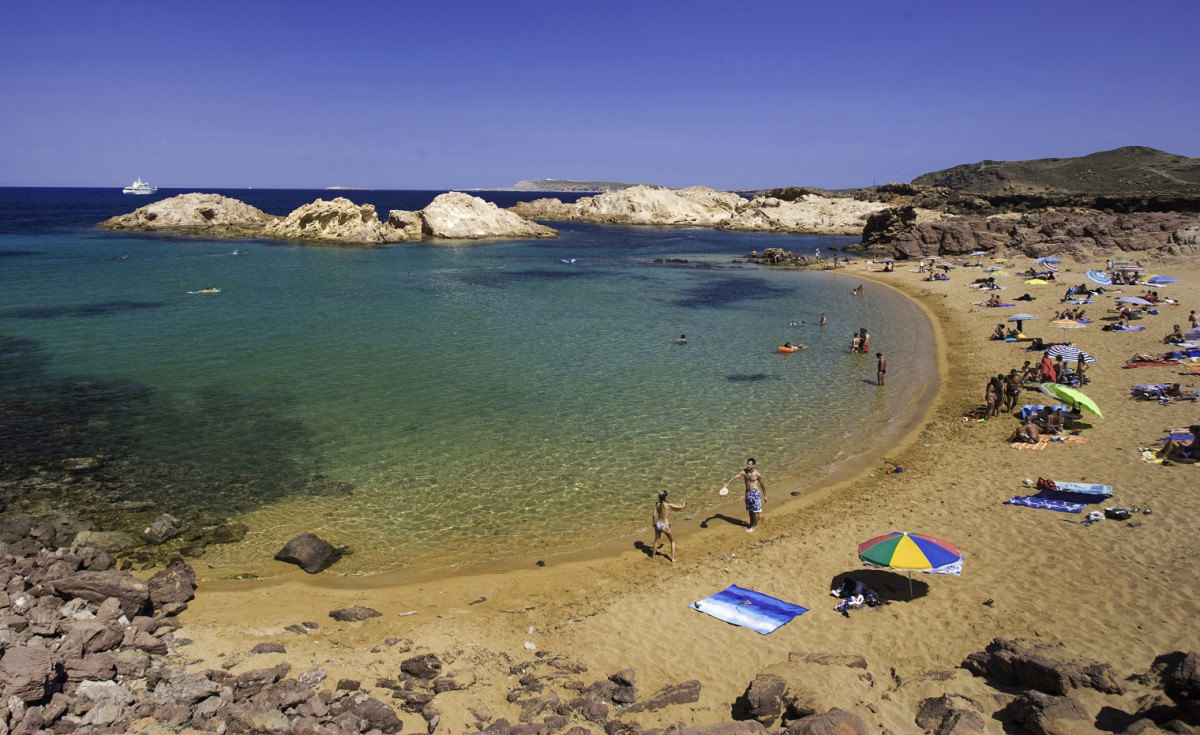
(1099, 277)
(1163, 280)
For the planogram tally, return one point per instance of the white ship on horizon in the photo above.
(139, 187)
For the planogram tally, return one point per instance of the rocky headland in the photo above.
(451, 216)
(700, 206)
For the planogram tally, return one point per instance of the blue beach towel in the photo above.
(1055, 500)
(749, 609)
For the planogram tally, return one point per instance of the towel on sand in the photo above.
(1057, 500)
(1084, 488)
(749, 609)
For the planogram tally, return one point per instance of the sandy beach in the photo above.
(1121, 592)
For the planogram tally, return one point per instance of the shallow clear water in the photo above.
(428, 405)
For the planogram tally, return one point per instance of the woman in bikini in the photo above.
(662, 523)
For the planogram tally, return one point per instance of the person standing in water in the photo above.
(756, 492)
(662, 523)
(881, 369)
(822, 319)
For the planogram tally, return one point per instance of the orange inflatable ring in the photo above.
(793, 348)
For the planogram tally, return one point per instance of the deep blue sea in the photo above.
(427, 404)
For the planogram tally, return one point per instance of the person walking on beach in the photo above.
(881, 368)
(662, 523)
(756, 492)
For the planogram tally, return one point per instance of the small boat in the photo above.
(139, 187)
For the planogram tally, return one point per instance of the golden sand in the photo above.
(1117, 591)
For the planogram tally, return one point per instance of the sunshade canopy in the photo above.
(911, 552)
(1070, 396)
(1069, 353)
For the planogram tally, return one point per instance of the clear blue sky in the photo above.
(462, 94)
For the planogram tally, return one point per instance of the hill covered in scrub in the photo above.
(1129, 170)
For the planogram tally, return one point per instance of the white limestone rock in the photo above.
(455, 215)
(210, 214)
(642, 205)
(339, 221)
(808, 214)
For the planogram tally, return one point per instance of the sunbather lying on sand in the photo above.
(1149, 357)
(1182, 448)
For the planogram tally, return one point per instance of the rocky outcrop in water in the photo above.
(698, 206)
(210, 215)
(453, 215)
(459, 216)
(338, 221)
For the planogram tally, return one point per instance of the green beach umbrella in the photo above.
(1070, 396)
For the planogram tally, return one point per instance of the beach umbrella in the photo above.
(1065, 324)
(1163, 280)
(976, 253)
(1069, 353)
(1048, 259)
(1138, 300)
(1099, 277)
(1036, 281)
(992, 269)
(1019, 318)
(1070, 396)
(911, 552)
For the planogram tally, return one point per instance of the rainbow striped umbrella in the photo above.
(911, 552)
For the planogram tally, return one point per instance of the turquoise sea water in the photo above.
(444, 404)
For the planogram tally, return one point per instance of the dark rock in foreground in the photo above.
(309, 552)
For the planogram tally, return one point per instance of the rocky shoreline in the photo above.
(87, 648)
(901, 220)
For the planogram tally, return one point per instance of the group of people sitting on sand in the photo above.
(1000, 333)
(986, 284)
(1075, 315)
(1044, 420)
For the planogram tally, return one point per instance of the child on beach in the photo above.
(662, 523)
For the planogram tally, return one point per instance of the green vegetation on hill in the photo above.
(1133, 169)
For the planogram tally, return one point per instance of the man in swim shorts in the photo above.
(662, 523)
(756, 492)
(881, 369)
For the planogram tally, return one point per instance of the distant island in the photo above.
(348, 188)
(568, 185)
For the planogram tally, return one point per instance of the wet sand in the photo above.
(1117, 591)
